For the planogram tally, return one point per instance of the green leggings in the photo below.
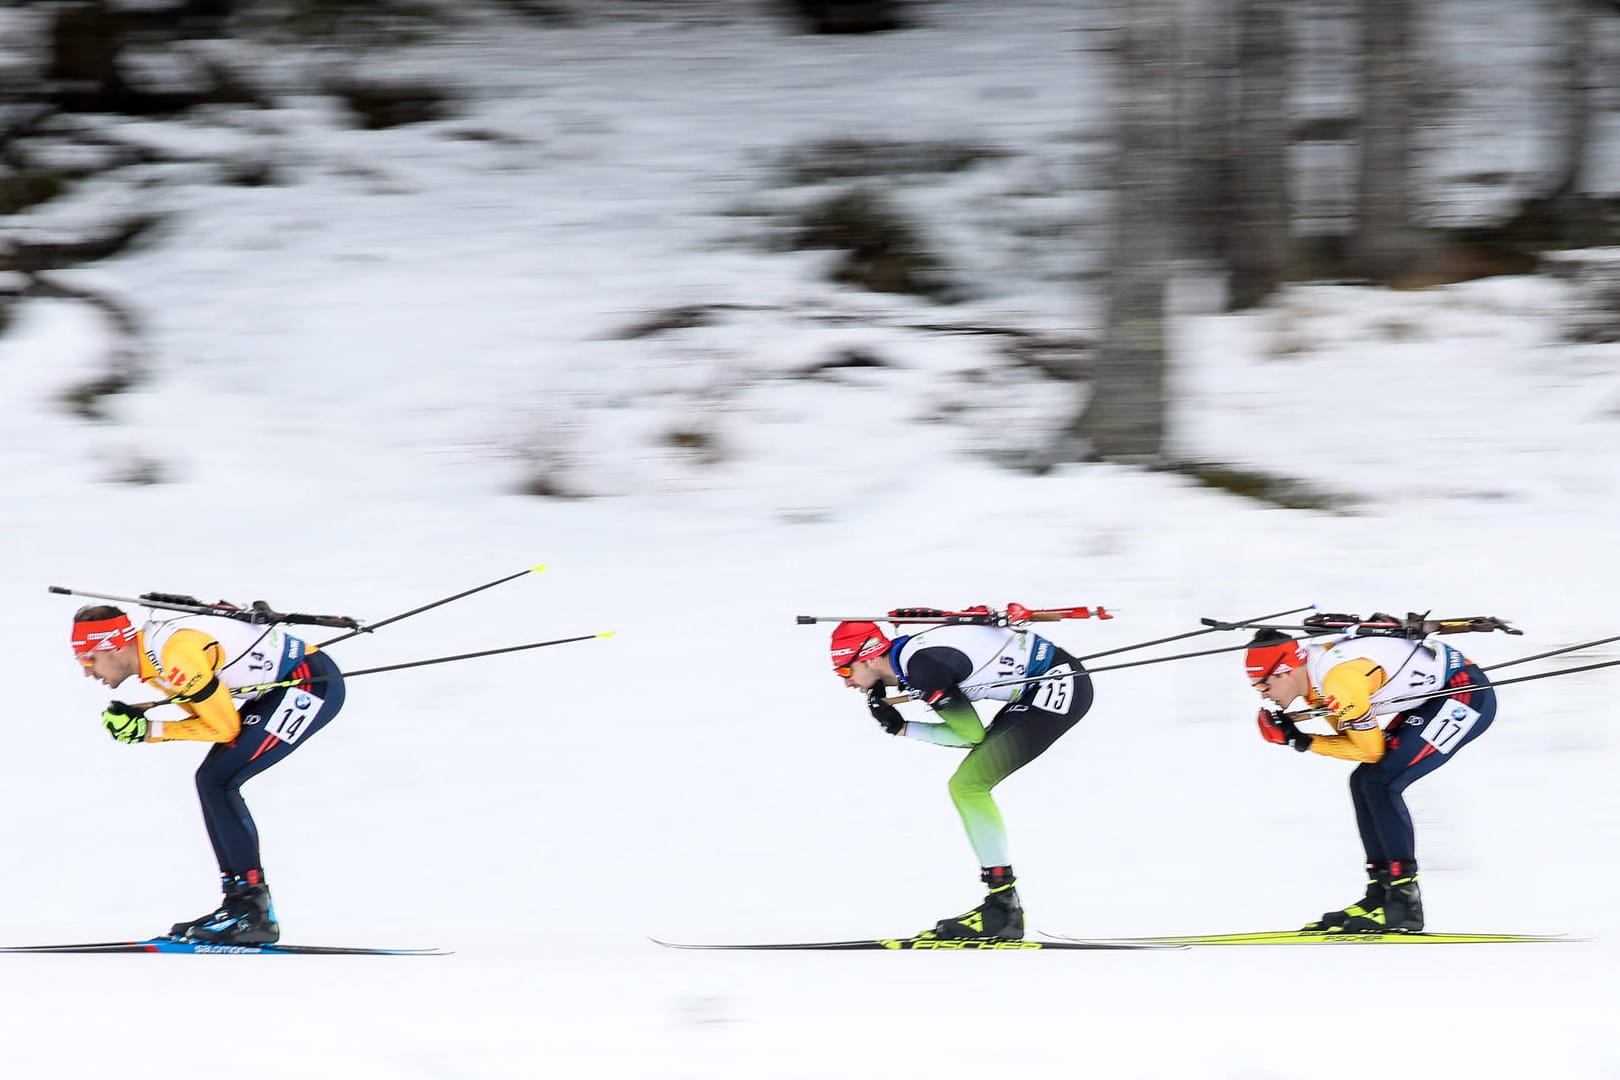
(1018, 735)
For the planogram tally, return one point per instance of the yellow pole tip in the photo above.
(537, 569)
(605, 633)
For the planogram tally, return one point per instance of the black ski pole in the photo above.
(1093, 671)
(261, 687)
(1553, 652)
(1451, 690)
(1212, 626)
(428, 607)
(1177, 656)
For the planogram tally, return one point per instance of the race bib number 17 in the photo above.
(293, 715)
(1450, 725)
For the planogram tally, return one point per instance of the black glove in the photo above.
(1276, 727)
(884, 713)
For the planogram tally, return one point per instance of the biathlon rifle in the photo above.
(261, 613)
(978, 615)
(1414, 626)
(258, 613)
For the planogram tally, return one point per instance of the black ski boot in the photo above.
(1332, 920)
(247, 917)
(180, 929)
(1401, 911)
(1001, 916)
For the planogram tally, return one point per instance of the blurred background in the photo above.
(1228, 148)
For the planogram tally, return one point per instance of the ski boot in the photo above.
(1400, 911)
(1332, 920)
(179, 929)
(247, 916)
(1001, 916)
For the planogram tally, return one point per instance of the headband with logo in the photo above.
(102, 635)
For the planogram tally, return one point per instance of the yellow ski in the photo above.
(1320, 937)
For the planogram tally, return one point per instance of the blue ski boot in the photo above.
(247, 917)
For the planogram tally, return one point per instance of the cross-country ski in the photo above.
(921, 944)
(1318, 937)
(174, 946)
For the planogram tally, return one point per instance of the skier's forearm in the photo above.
(1366, 746)
(212, 719)
(961, 726)
(938, 734)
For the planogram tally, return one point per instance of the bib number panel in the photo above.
(293, 716)
(1446, 731)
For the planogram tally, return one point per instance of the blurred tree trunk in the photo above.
(1124, 417)
(1386, 241)
(1258, 242)
(87, 40)
(1208, 114)
(1569, 211)
(847, 16)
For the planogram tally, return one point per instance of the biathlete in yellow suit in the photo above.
(200, 660)
(1354, 683)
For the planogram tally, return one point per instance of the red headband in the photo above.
(1273, 658)
(102, 634)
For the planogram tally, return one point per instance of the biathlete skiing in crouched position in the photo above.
(1353, 684)
(949, 668)
(199, 660)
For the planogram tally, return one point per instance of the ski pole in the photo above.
(358, 630)
(1554, 652)
(1212, 626)
(1163, 659)
(260, 613)
(1109, 667)
(261, 687)
(1451, 690)
(1453, 626)
(1415, 697)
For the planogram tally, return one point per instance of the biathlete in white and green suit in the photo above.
(949, 668)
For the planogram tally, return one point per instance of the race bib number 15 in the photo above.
(1057, 694)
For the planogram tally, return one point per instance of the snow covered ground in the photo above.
(352, 373)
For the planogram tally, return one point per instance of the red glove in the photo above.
(1276, 727)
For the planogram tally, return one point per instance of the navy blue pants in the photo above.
(272, 727)
(1377, 789)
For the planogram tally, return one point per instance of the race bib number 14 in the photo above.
(293, 715)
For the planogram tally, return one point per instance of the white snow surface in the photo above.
(351, 375)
